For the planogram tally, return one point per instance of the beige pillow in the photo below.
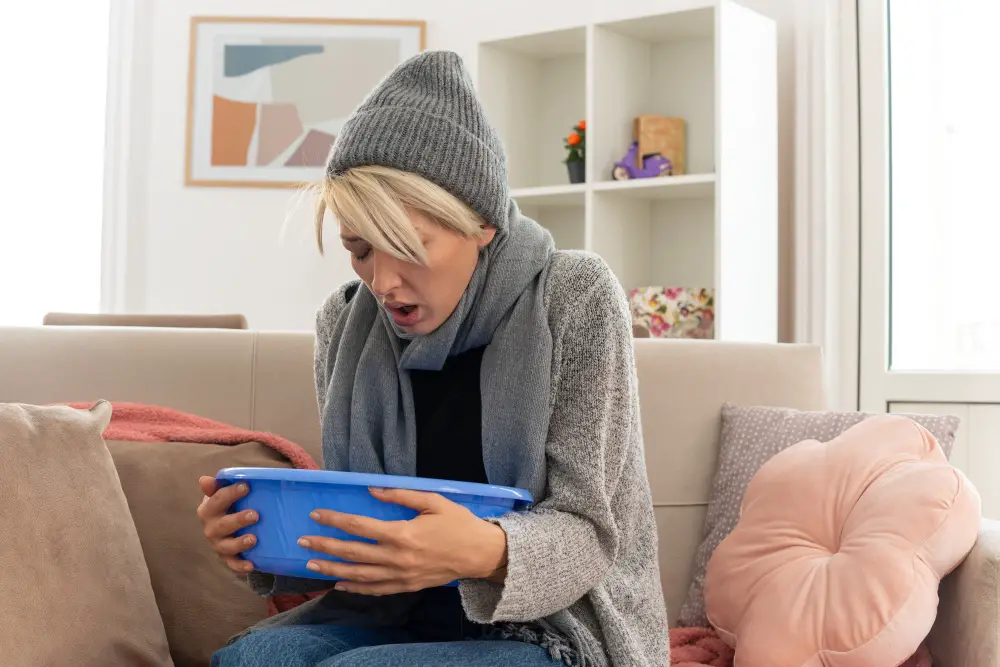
(750, 437)
(202, 602)
(76, 589)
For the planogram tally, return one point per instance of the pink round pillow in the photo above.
(839, 550)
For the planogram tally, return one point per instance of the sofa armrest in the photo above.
(967, 630)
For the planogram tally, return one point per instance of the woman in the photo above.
(470, 349)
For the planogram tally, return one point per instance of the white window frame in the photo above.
(879, 385)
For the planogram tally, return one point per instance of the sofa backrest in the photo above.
(264, 381)
(682, 387)
(231, 321)
(260, 381)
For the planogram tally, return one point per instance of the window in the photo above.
(945, 185)
(54, 61)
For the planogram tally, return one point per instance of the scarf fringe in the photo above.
(559, 647)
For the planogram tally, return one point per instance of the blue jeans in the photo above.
(438, 636)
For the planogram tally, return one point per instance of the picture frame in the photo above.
(255, 116)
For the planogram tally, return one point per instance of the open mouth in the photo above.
(405, 314)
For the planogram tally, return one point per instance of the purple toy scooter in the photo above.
(653, 164)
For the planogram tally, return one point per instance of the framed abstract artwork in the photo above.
(267, 96)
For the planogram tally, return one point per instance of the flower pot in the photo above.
(577, 171)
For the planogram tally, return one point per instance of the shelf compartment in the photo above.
(662, 65)
(534, 91)
(650, 242)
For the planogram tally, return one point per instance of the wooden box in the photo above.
(659, 134)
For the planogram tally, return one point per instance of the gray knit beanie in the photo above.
(425, 118)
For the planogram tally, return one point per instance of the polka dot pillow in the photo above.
(750, 437)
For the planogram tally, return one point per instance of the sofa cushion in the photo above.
(840, 548)
(75, 584)
(750, 437)
(202, 602)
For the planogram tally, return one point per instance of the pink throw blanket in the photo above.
(702, 647)
(698, 647)
(135, 422)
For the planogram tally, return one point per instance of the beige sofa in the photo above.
(263, 381)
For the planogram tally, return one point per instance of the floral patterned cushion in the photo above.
(674, 312)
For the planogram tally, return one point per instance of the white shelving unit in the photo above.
(711, 62)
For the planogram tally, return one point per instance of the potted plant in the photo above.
(576, 162)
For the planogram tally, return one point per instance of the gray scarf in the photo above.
(368, 417)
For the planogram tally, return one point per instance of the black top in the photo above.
(449, 446)
(449, 420)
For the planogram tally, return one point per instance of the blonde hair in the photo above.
(371, 202)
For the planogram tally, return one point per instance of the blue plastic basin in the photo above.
(284, 498)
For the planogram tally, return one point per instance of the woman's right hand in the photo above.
(220, 526)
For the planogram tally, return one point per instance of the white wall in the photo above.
(192, 249)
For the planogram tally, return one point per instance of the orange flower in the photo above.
(573, 139)
(582, 125)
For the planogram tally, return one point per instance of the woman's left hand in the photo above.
(444, 542)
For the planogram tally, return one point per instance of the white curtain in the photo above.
(53, 89)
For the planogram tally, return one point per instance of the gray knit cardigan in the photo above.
(582, 577)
